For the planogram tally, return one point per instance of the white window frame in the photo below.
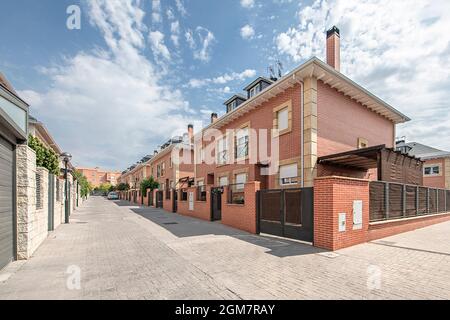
(432, 167)
(221, 179)
(254, 91)
(222, 151)
(242, 143)
(279, 124)
(289, 178)
(240, 185)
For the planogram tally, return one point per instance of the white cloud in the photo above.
(223, 79)
(158, 46)
(175, 30)
(200, 42)
(108, 107)
(247, 32)
(248, 3)
(180, 6)
(397, 49)
(156, 11)
(169, 14)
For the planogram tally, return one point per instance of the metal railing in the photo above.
(236, 194)
(390, 201)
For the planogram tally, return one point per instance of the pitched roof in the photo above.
(330, 76)
(425, 152)
(259, 79)
(5, 83)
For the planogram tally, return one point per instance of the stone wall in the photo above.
(26, 199)
(39, 220)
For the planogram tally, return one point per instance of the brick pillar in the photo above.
(334, 196)
(26, 198)
(310, 131)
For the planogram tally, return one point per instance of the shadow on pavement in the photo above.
(183, 227)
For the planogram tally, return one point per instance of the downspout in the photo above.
(302, 146)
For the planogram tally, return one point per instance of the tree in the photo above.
(123, 187)
(104, 187)
(85, 186)
(45, 157)
(149, 183)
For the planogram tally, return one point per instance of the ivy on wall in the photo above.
(45, 157)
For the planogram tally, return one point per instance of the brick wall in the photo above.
(202, 209)
(333, 196)
(435, 181)
(243, 217)
(386, 229)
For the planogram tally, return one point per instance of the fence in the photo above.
(389, 201)
(236, 194)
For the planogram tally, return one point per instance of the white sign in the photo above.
(191, 201)
(342, 222)
(357, 215)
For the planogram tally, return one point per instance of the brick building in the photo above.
(97, 177)
(436, 171)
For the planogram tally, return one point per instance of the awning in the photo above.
(363, 159)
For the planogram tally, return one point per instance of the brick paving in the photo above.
(127, 252)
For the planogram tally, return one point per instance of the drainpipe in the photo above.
(302, 119)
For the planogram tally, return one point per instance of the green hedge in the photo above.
(45, 157)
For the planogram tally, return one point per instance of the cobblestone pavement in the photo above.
(127, 252)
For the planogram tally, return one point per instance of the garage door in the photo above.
(6, 203)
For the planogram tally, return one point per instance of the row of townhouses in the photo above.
(311, 156)
(33, 201)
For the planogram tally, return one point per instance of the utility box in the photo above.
(357, 215)
(342, 222)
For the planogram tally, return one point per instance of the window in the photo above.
(39, 204)
(432, 170)
(254, 91)
(231, 106)
(163, 169)
(283, 119)
(288, 174)
(241, 180)
(222, 151)
(170, 163)
(242, 139)
(223, 181)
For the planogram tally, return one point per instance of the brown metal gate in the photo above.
(159, 199)
(287, 213)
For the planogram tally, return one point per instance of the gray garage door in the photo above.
(6, 203)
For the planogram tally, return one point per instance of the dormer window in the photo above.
(234, 102)
(257, 86)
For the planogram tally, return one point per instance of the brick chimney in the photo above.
(214, 117)
(334, 48)
(191, 132)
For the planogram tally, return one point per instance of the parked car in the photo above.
(113, 196)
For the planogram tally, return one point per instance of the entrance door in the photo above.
(6, 203)
(159, 199)
(287, 213)
(216, 204)
(175, 201)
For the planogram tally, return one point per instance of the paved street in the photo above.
(126, 252)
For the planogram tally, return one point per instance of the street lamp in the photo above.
(66, 157)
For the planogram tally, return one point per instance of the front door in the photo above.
(159, 199)
(175, 201)
(216, 204)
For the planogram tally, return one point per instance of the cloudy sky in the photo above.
(138, 71)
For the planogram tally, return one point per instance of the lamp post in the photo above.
(66, 157)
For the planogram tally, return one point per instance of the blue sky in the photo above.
(139, 71)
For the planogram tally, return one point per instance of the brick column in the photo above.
(310, 131)
(334, 196)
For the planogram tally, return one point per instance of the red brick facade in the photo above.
(243, 217)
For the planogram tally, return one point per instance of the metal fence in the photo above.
(389, 201)
(236, 194)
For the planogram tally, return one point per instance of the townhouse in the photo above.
(171, 166)
(314, 111)
(436, 170)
